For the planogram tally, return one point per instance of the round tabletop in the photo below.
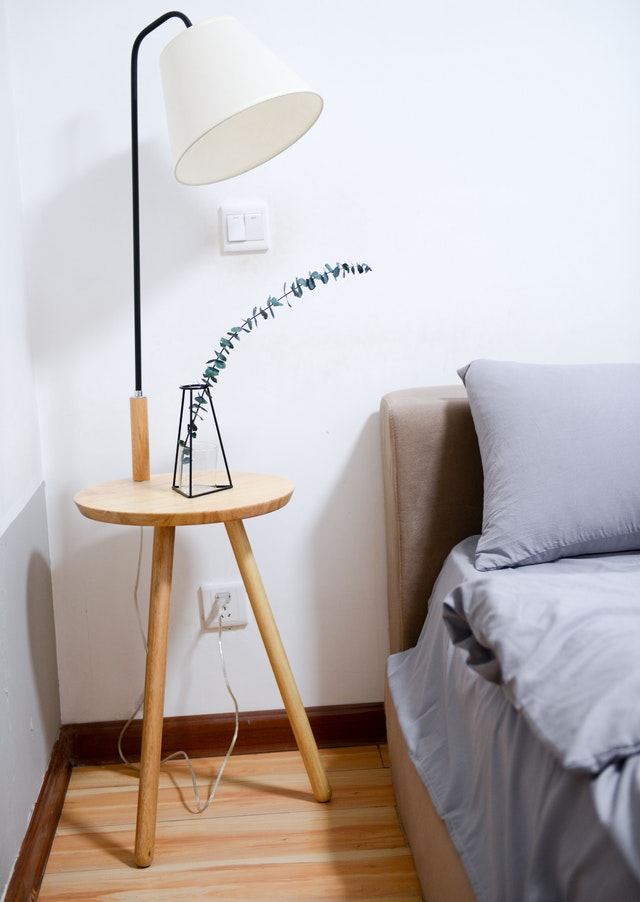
(155, 503)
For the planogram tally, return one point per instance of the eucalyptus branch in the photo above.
(228, 341)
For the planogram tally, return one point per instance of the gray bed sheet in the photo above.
(525, 827)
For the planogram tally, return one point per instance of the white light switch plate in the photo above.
(244, 228)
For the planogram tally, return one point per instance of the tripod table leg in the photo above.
(159, 605)
(278, 658)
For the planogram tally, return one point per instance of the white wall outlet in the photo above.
(227, 603)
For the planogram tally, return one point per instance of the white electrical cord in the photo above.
(135, 599)
(199, 807)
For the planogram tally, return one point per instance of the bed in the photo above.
(512, 507)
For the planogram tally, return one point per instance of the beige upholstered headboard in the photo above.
(432, 492)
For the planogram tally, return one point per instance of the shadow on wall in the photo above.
(102, 656)
(80, 248)
(28, 644)
(30, 700)
(42, 647)
(101, 652)
(350, 578)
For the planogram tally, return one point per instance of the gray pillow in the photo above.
(560, 448)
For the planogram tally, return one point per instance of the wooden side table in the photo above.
(154, 503)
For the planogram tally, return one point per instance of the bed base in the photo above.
(440, 871)
(432, 476)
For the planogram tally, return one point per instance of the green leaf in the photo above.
(296, 290)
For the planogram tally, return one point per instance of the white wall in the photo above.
(29, 700)
(482, 157)
(20, 458)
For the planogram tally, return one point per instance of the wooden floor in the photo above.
(263, 837)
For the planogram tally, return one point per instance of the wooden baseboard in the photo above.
(26, 878)
(207, 735)
(199, 736)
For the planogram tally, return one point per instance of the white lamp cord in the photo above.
(199, 807)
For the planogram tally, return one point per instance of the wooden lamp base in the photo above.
(139, 438)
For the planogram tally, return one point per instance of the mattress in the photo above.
(525, 826)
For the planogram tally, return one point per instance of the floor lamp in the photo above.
(231, 105)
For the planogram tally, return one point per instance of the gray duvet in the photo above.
(526, 730)
(563, 641)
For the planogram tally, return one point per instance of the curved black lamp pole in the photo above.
(138, 403)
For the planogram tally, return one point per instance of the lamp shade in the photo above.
(231, 104)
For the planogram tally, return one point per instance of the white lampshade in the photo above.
(231, 104)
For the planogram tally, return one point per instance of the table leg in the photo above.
(159, 605)
(278, 658)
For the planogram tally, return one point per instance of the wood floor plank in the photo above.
(253, 796)
(370, 876)
(264, 837)
(348, 758)
(238, 838)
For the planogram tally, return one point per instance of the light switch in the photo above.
(244, 227)
(254, 230)
(236, 229)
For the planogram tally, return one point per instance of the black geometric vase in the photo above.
(200, 466)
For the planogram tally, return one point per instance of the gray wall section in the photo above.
(29, 696)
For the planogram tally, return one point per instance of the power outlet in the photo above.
(226, 603)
